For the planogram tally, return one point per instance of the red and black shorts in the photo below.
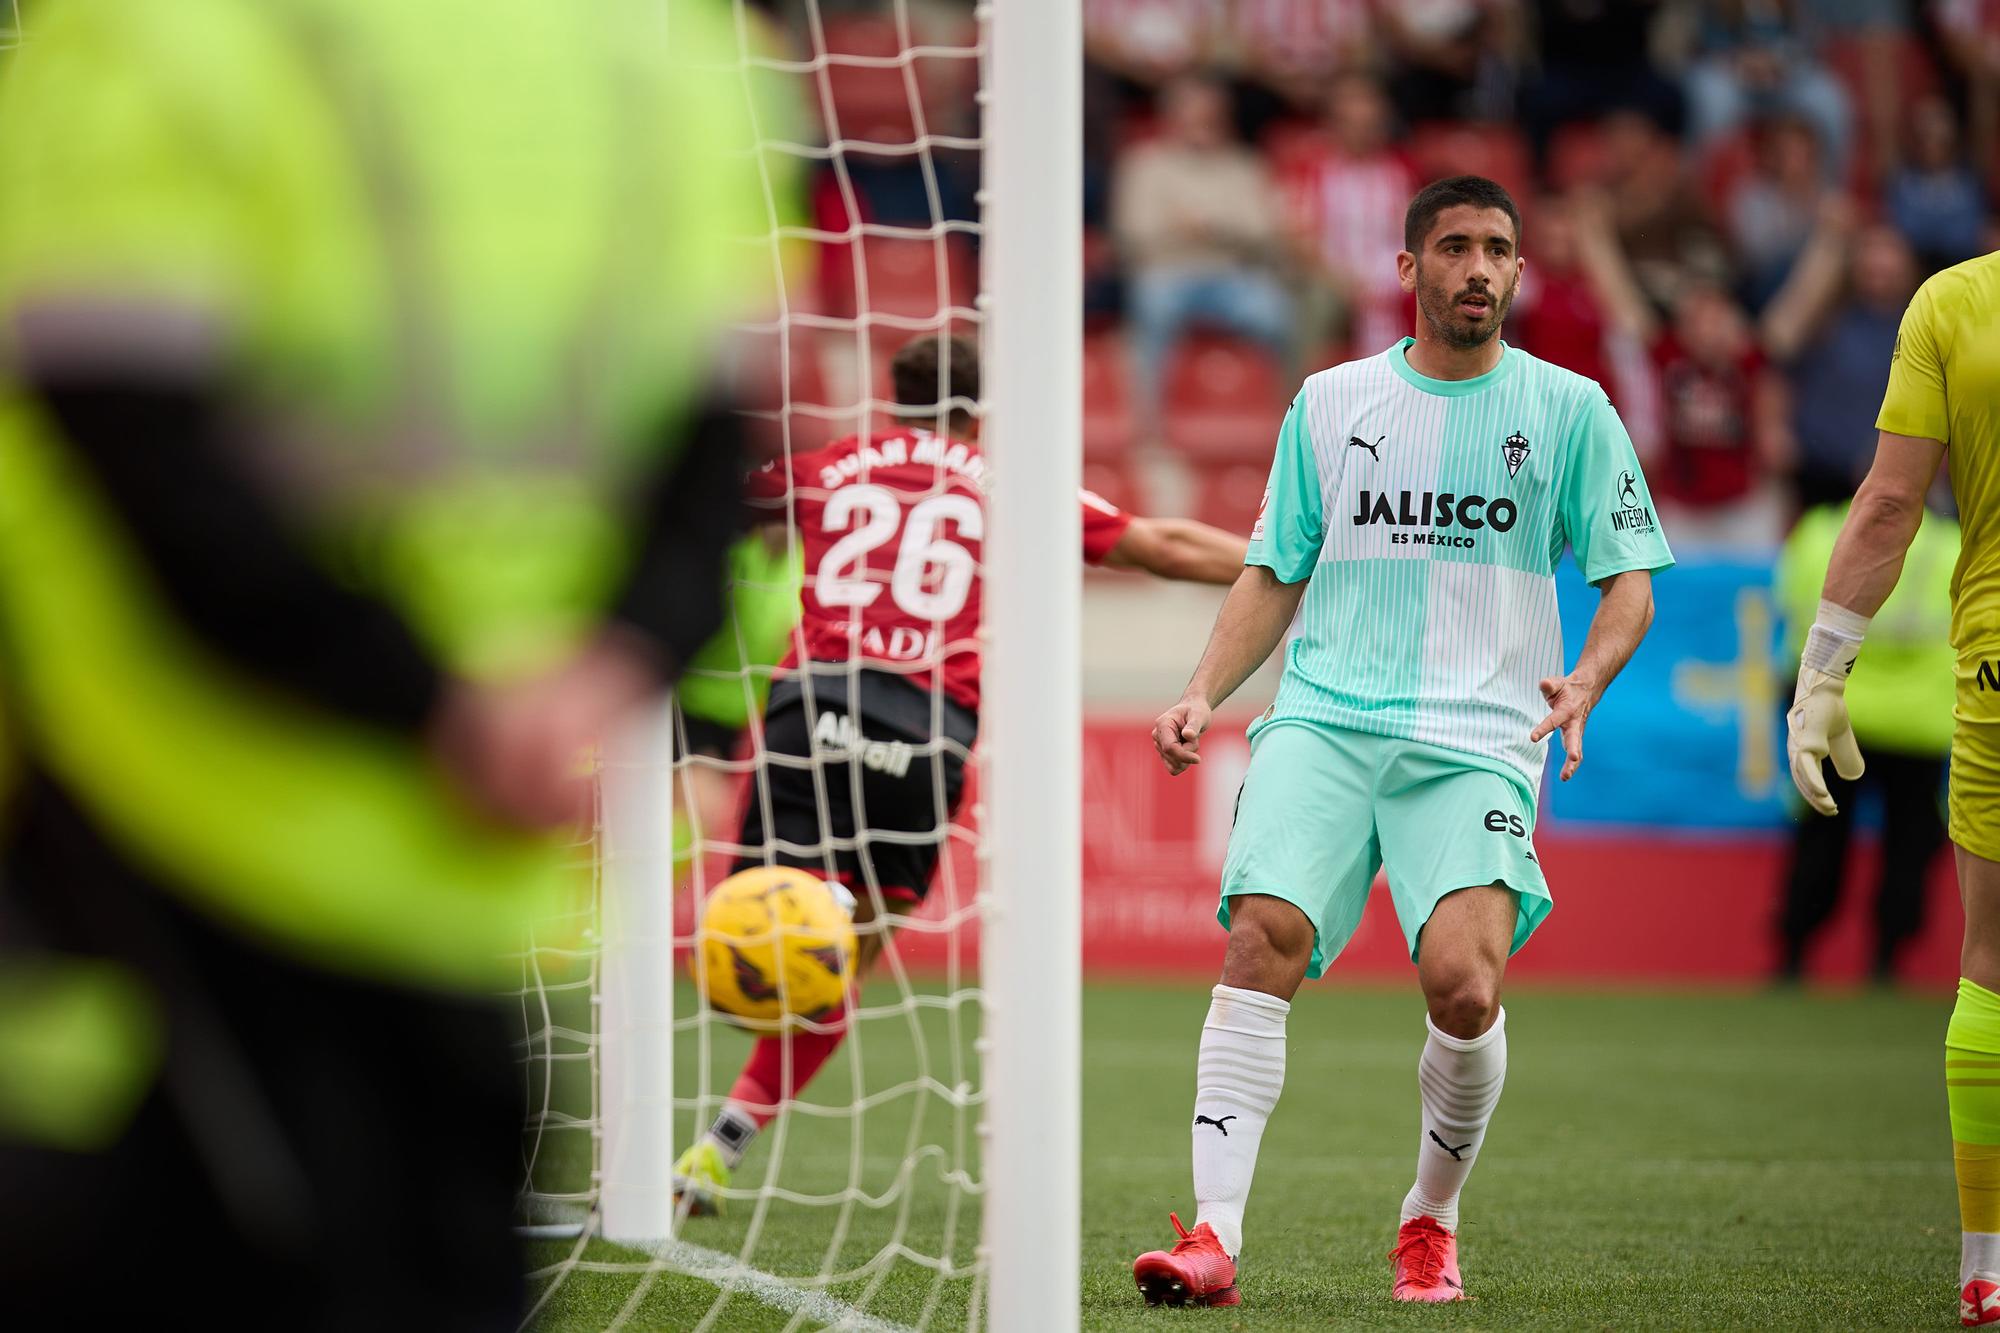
(860, 784)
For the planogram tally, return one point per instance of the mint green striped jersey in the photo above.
(1430, 516)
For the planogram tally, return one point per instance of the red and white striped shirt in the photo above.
(1302, 36)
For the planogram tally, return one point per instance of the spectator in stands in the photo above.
(1970, 30)
(1196, 217)
(1345, 197)
(1288, 50)
(1595, 58)
(1147, 44)
(1724, 433)
(1556, 314)
(1752, 65)
(1900, 705)
(1936, 199)
(1771, 212)
(1874, 34)
(1833, 329)
(1453, 59)
(1663, 227)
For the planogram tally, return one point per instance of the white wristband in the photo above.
(1834, 641)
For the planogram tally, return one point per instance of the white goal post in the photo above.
(1032, 960)
(1030, 917)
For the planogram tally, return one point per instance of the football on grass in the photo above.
(775, 942)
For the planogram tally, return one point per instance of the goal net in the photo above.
(861, 1205)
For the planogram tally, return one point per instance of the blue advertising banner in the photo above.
(1691, 735)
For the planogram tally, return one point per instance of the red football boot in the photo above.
(1426, 1260)
(1979, 1301)
(1194, 1272)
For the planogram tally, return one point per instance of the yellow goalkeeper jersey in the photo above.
(1944, 384)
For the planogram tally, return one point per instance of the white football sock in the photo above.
(1241, 1072)
(1978, 1252)
(1460, 1085)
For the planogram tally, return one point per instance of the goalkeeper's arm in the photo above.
(1867, 559)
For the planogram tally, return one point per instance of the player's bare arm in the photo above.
(1624, 611)
(1866, 562)
(1250, 625)
(1868, 557)
(1180, 549)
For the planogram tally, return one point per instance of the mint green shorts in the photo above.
(1323, 808)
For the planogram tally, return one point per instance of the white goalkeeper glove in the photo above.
(1817, 725)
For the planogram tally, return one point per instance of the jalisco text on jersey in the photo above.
(1441, 509)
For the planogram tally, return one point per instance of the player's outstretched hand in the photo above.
(1570, 699)
(1177, 733)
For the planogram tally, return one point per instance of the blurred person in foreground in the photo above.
(1197, 221)
(359, 468)
(1900, 708)
(1943, 401)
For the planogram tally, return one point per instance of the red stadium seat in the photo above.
(1452, 148)
(1107, 400)
(1229, 495)
(1223, 399)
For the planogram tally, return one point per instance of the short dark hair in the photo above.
(1450, 192)
(920, 391)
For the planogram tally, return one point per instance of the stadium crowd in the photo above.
(1728, 204)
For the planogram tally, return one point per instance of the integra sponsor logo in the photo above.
(1440, 509)
(1630, 515)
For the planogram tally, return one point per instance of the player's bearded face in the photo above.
(1465, 309)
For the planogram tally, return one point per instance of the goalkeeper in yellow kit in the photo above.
(1943, 402)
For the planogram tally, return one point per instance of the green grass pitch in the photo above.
(1704, 1161)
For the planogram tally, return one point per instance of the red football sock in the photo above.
(762, 1085)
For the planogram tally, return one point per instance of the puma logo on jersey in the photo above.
(1219, 1124)
(1356, 442)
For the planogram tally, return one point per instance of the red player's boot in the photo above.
(1426, 1260)
(1194, 1272)
(1979, 1301)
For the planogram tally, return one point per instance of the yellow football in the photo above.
(775, 941)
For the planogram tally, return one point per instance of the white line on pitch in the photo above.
(726, 1271)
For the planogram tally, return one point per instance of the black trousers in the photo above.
(319, 1153)
(1912, 833)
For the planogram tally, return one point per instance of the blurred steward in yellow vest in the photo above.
(363, 454)
(1900, 700)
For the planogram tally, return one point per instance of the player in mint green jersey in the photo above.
(1419, 503)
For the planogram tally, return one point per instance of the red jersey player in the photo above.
(880, 695)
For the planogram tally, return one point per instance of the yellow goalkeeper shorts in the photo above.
(1975, 755)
